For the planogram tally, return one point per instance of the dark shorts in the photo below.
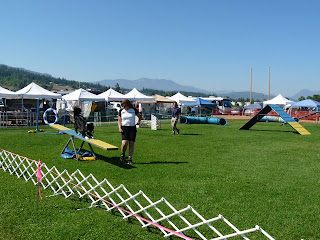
(129, 133)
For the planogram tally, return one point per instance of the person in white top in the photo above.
(127, 128)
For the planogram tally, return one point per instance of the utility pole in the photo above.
(251, 87)
(269, 84)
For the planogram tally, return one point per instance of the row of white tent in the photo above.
(282, 101)
(34, 91)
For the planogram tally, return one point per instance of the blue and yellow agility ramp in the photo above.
(73, 134)
(285, 116)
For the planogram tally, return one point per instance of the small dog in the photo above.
(80, 123)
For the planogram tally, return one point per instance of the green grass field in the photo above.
(266, 176)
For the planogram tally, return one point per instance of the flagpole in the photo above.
(269, 84)
(251, 87)
(37, 124)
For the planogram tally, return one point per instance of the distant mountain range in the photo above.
(245, 95)
(16, 78)
(169, 85)
(158, 84)
(305, 93)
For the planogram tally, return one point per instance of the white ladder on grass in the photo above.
(185, 223)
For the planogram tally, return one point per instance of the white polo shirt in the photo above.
(128, 117)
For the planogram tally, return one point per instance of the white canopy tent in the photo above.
(135, 95)
(81, 98)
(181, 99)
(279, 100)
(34, 91)
(112, 95)
(82, 95)
(5, 93)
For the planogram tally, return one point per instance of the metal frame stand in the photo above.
(71, 139)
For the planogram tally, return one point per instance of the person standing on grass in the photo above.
(176, 112)
(127, 128)
(193, 111)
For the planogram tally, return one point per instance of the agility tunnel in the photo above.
(274, 119)
(203, 120)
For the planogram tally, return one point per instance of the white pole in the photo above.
(269, 84)
(251, 87)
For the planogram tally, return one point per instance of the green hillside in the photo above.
(17, 78)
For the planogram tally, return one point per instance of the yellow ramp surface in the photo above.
(58, 127)
(297, 126)
(101, 144)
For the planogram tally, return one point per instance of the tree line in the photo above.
(315, 97)
(17, 78)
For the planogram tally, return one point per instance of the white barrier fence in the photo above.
(160, 214)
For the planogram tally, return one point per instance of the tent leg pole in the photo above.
(37, 124)
(64, 117)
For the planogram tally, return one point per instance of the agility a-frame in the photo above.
(285, 116)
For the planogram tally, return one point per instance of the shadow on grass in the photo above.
(114, 161)
(158, 162)
(272, 130)
(190, 134)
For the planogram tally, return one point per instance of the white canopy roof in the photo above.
(180, 98)
(135, 95)
(280, 100)
(5, 93)
(112, 95)
(35, 91)
(82, 95)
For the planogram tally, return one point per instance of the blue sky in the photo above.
(202, 43)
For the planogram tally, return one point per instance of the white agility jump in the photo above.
(139, 205)
(154, 123)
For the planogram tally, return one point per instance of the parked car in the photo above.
(237, 111)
